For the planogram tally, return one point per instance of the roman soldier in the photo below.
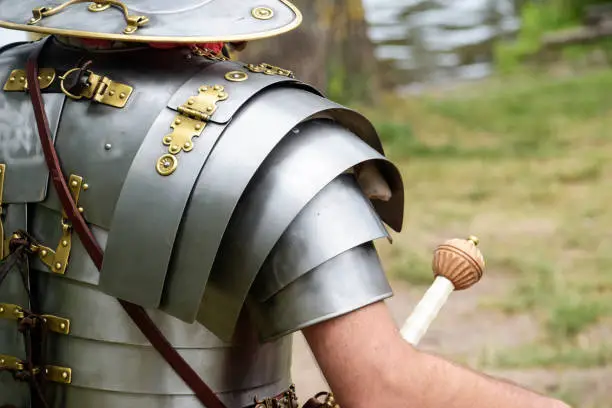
(170, 217)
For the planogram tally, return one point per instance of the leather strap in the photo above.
(138, 315)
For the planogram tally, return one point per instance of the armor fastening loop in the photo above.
(133, 22)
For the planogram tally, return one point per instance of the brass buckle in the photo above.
(100, 89)
(57, 374)
(57, 261)
(133, 22)
(55, 324)
(189, 123)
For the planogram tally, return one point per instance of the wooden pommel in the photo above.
(459, 261)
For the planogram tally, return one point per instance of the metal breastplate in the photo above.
(198, 180)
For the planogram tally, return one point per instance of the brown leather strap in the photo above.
(138, 315)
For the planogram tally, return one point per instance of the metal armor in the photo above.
(234, 202)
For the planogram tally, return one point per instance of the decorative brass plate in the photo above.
(268, 69)
(236, 76)
(17, 81)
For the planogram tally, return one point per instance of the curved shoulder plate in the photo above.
(297, 170)
(339, 218)
(343, 284)
(130, 247)
(257, 129)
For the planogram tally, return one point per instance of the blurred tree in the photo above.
(331, 50)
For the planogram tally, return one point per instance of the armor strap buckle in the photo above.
(98, 88)
(57, 374)
(55, 324)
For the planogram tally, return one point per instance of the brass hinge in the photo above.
(57, 374)
(57, 261)
(54, 323)
(189, 123)
(18, 82)
(100, 89)
(268, 69)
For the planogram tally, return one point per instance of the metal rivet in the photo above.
(262, 13)
(217, 88)
(58, 265)
(22, 79)
(187, 145)
(81, 209)
(65, 243)
(222, 95)
(39, 77)
(1, 310)
(209, 108)
(296, 131)
(198, 126)
(62, 326)
(85, 186)
(43, 252)
(178, 122)
(32, 20)
(64, 375)
(204, 89)
(108, 146)
(174, 149)
(74, 183)
(12, 79)
(122, 95)
(190, 101)
(49, 77)
(111, 93)
(2, 361)
(236, 76)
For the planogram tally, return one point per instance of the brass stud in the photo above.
(204, 89)
(262, 13)
(190, 102)
(122, 95)
(166, 164)
(198, 126)
(236, 76)
(58, 265)
(12, 79)
(168, 139)
(85, 186)
(74, 183)
(177, 122)
(64, 375)
(43, 253)
(49, 77)
(21, 79)
(174, 149)
(39, 77)
(64, 243)
(217, 88)
(1, 309)
(62, 326)
(108, 146)
(2, 361)
(81, 209)
(210, 108)
(222, 95)
(111, 93)
(187, 145)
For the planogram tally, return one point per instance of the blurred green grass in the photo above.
(524, 163)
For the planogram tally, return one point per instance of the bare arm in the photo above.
(367, 363)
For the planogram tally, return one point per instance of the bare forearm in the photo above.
(367, 363)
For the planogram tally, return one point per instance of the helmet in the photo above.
(153, 21)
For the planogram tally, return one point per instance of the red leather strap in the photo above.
(138, 315)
